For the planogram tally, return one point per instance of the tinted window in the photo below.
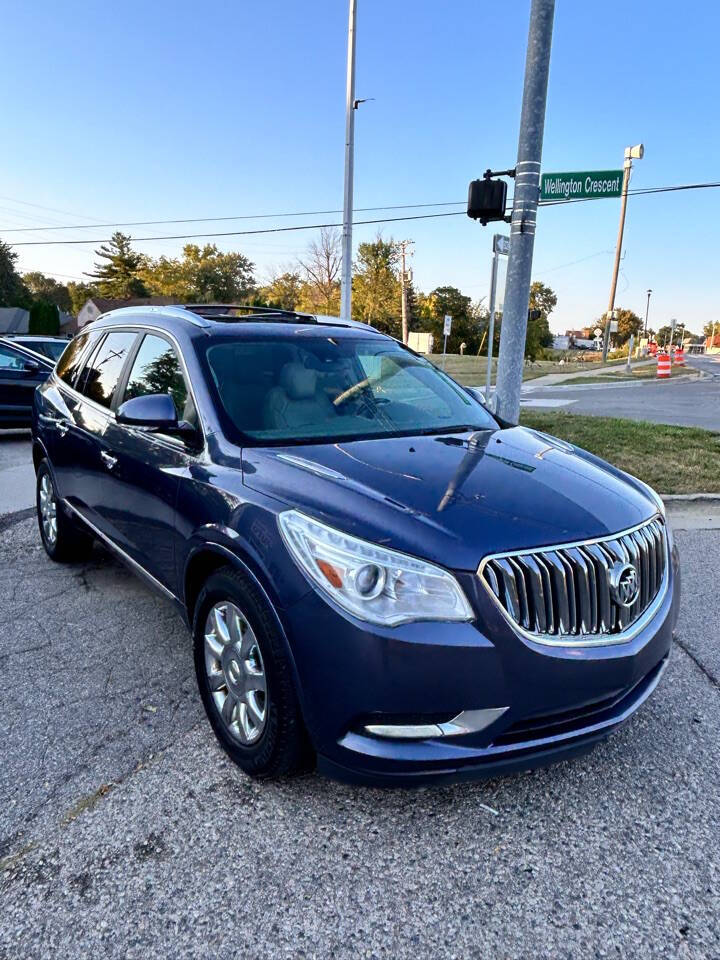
(52, 349)
(69, 363)
(101, 375)
(12, 359)
(156, 369)
(336, 388)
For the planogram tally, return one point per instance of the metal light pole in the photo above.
(500, 243)
(346, 276)
(647, 311)
(524, 212)
(631, 153)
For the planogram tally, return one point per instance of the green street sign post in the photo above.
(577, 186)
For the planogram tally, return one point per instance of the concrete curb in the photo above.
(690, 497)
(569, 385)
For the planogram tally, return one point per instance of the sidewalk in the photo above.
(551, 379)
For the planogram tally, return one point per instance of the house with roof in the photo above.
(96, 306)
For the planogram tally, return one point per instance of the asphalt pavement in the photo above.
(125, 832)
(686, 402)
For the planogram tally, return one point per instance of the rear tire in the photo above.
(63, 540)
(245, 678)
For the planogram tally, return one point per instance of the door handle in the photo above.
(108, 459)
(60, 424)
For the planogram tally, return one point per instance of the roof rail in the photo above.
(173, 310)
(232, 312)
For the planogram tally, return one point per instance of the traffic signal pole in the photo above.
(524, 212)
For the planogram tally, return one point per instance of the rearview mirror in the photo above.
(155, 411)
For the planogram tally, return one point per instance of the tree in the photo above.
(47, 289)
(13, 292)
(629, 323)
(320, 270)
(284, 291)
(466, 326)
(44, 318)
(119, 276)
(203, 275)
(376, 286)
(79, 294)
(544, 300)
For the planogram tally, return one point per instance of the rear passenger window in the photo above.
(156, 369)
(100, 377)
(69, 362)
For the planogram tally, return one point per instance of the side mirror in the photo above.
(477, 395)
(31, 366)
(155, 411)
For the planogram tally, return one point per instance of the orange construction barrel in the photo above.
(663, 365)
(680, 357)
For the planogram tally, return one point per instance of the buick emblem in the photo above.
(624, 584)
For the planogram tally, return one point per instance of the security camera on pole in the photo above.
(631, 153)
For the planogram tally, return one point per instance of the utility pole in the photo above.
(631, 153)
(647, 311)
(524, 212)
(346, 275)
(404, 244)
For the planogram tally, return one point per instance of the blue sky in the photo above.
(150, 111)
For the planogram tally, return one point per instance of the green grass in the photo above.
(670, 459)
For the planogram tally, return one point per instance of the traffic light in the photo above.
(487, 200)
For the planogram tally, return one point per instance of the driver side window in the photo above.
(11, 360)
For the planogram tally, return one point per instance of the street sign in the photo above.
(613, 326)
(501, 244)
(447, 326)
(576, 186)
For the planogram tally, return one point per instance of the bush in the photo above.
(44, 318)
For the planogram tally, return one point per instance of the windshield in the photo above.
(327, 388)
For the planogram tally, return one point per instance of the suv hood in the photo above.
(455, 498)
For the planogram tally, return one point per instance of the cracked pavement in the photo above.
(125, 831)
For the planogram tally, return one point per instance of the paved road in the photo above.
(17, 477)
(691, 403)
(126, 832)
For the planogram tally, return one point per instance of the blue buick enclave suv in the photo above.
(379, 575)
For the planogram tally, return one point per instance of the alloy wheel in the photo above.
(235, 672)
(48, 509)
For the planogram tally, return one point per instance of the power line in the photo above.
(245, 233)
(245, 216)
(317, 226)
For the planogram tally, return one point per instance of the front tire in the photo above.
(245, 678)
(64, 542)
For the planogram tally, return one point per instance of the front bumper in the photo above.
(560, 700)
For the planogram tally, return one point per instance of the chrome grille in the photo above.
(564, 594)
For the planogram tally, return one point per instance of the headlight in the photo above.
(374, 584)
